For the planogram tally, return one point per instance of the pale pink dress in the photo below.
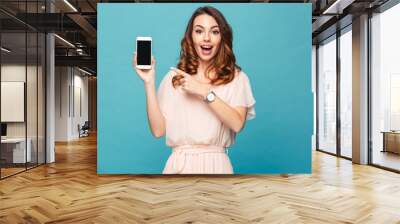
(199, 140)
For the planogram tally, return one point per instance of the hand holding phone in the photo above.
(143, 61)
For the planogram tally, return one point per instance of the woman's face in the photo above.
(206, 37)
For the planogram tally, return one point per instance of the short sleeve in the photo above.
(164, 93)
(243, 95)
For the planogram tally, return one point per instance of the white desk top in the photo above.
(13, 140)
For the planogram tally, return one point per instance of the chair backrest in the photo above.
(86, 125)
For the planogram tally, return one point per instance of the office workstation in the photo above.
(15, 147)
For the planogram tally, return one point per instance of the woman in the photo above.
(204, 102)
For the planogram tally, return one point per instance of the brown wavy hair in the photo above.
(223, 63)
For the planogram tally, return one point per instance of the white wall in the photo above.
(80, 105)
(70, 84)
(12, 73)
(62, 81)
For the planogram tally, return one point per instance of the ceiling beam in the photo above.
(86, 26)
(337, 6)
(84, 61)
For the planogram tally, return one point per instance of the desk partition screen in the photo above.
(272, 46)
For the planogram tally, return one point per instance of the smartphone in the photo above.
(143, 52)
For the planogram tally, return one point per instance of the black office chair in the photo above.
(84, 130)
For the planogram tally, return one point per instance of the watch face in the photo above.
(210, 97)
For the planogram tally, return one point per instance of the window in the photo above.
(346, 92)
(385, 88)
(327, 95)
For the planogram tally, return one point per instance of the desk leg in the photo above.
(384, 142)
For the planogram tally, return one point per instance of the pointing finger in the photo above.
(178, 71)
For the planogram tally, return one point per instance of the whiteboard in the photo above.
(12, 101)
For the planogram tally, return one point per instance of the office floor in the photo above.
(70, 191)
(10, 170)
(387, 159)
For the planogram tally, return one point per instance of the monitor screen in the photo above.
(3, 129)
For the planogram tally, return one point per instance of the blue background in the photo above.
(272, 44)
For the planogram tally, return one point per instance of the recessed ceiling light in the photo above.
(64, 40)
(70, 5)
(84, 71)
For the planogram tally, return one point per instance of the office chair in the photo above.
(84, 130)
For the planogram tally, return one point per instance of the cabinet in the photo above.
(391, 141)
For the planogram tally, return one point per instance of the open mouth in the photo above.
(206, 49)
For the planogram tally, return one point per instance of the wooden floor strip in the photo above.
(70, 191)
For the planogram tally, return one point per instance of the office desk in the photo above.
(16, 147)
(391, 141)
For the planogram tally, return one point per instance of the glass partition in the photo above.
(14, 153)
(31, 100)
(41, 107)
(327, 95)
(22, 78)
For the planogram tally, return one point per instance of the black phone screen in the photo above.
(144, 52)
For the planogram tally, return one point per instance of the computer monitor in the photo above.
(3, 129)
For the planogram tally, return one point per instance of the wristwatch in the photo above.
(210, 97)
